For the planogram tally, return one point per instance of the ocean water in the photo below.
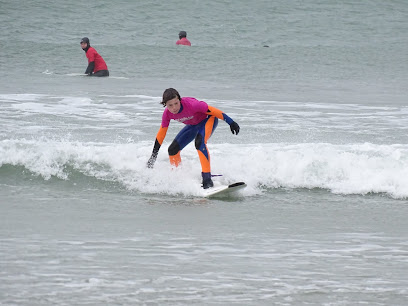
(319, 89)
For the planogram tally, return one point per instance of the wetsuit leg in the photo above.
(101, 73)
(206, 128)
(183, 138)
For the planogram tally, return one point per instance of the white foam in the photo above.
(19, 97)
(343, 169)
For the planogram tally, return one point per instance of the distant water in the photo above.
(320, 92)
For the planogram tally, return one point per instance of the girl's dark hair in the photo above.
(168, 94)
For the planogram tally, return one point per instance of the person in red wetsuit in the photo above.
(200, 121)
(183, 39)
(96, 64)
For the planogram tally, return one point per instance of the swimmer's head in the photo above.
(182, 34)
(85, 40)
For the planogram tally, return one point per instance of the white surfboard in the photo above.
(223, 190)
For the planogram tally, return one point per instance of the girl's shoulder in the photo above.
(188, 99)
(192, 101)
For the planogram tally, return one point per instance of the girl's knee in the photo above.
(174, 148)
(198, 141)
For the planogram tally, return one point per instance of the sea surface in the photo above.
(319, 89)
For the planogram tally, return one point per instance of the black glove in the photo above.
(234, 128)
(152, 159)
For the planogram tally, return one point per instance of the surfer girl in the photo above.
(96, 64)
(200, 119)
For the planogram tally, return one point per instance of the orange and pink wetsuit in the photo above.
(201, 120)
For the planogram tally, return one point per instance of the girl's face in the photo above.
(173, 105)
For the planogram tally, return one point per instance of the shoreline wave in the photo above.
(342, 169)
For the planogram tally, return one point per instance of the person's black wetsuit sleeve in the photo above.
(90, 68)
(155, 152)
